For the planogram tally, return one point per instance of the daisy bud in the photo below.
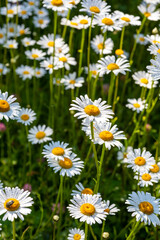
(13, 60)
(55, 218)
(155, 31)
(148, 127)
(105, 235)
(2, 127)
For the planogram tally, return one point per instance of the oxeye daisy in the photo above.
(26, 116)
(65, 60)
(152, 1)
(96, 7)
(33, 3)
(10, 10)
(25, 72)
(144, 207)
(39, 72)
(93, 70)
(149, 11)
(123, 152)
(28, 42)
(35, 54)
(56, 150)
(40, 134)
(56, 5)
(42, 12)
(11, 29)
(76, 234)
(22, 30)
(49, 65)
(140, 161)
(128, 19)
(70, 23)
(91, 110)
(155, 170)
(87, 208)
(15, 202)
(110, 209)
(81, 190)
(69, 166)
(71, 81)
(57, 81)
(24, 11)
(154, 49)
(11, 44)
(110, 64)
(136, 104)
(153, 39)
(105, 133)
(97, 45)
(9, 109)
(121, 53)
(83, 21)
(144, 79)
(154, 69)
(41, 22)
(141, 39)
(145, 179)
(3, 69)
(2, 35)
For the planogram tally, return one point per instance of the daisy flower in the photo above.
(15, 202)
(110, 209)
(39, 72)
(108, 22)
(87, 208)
(11, 29)
(128, 19)
(41, 22)
(40, 134)
(28, 42)
(144, 79)
(24, 11)
(71, 81)
(121, 53)
(73, 3)
(3, 69)
(93, 70)
(153, 39)
(56, 150)
(33, 3)
(35, 54)
(154, 69)
(144, 207)
(11, 44)
(141, 39)
(76, 233)
(140, 161)
(41, 12)
(91, 110)
(69, 166)
(56, 5)
(2, 35)
(26, 116)
(8, 107)
(57, 81)
(145, 179)
(64, 60)
(81, 190)
(49, 65)
(9, 11)
(149, 11)
(22, 30)
(152, 1)
(122, 154)
(25, 72)
(106, 134)
(83, 21)
(96, 7)
(136, 104)
(154, 49)
(70, 23)
(110, 64)
(97, 45)
(155, 170)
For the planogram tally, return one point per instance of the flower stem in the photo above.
(81, 52)
(111, 87)
(86, 230)
(103, 225)
(122, 37)
(133, 231)
(14, 230)
(65, 27)
(115, 93)
(94, 147)
(61, 206)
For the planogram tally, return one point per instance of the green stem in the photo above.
(70, 39)
(86, 230)
(65, 27)
(61, 206)
(94, 86)
(27, 91)
(103, 225)
(34, 86)
(115, 93)
(14, 230)
(14, 71)
(111, 87)
(81, 52)
(93, 235)
(72, 94)
(133, 231)
(94, 147)
(122, 37)
(51, 109)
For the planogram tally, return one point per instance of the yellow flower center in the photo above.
(141, 39)
(92, 110)
(50, 44)
(40, 12)
(155, 41)
(24, 117)
(146, 177)
(58, 81)
(63, 59)
(107, 210)
(27, 43)
(50, 66)
(147, 14)
(107, 21)
(1, 35)
(4, 106)
(11, 46)
(146, 208)
(34, 56)
(87, 209)
(25, 72)
(125, 155)
(66, 163)
(22, 31)
(72, 81)
(140, 161)
(84, 21)
(77, 236)
(119, 52)
(158, 51)
(40, 21)
(58, 151)
(38, 72)
(11, 204)
(1, 70)
(10, 11)
(23, 12)
(94, 72)
(87, 191)
(40, 135)
(94, 9)
(57, 2)
(112, 66)
(31, 3)
(72, 2)
(74, 23)
(155, 168)
(125, 19)
(144, 80)
(106, 136)
(136, 105)
(11, 30)
(100, 46)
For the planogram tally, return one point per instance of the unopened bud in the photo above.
(148, 127)
(105, 235)
(55, 218)
(155, 30)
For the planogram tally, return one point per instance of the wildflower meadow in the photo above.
(79, 119)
